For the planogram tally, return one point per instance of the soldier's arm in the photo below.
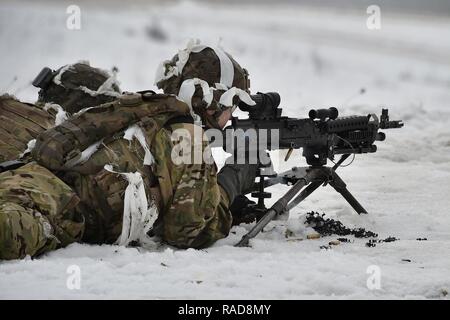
(195, 208)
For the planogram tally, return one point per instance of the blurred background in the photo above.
(341, 53)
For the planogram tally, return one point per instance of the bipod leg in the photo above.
(304, 194)
(339, 185)
(314, 185)
(278, 207)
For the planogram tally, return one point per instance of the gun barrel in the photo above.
(321, 136)
(385, 123)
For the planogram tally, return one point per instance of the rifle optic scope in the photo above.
(266, 106)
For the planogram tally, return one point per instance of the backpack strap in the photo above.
(180, 119)
(11, 165)
(56, 146)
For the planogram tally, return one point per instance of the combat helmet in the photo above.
(77, 86)
(206, 78)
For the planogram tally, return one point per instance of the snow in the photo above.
(314, 59)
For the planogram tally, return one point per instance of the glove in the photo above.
(237, 179)
(239, 204)
(242, 210)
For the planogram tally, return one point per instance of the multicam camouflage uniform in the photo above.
(192, 207)
(192, 210)
(35, 206)
(36, 212)
(20, 123)
(77, 86)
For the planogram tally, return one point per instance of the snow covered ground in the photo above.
(313, 59)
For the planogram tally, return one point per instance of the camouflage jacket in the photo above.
(193, 209)
(20, 123)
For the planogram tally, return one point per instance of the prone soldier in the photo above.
(116, 169)
(63, 92)
(28, 189)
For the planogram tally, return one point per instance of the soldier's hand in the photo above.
(241, 210)
(237, 179)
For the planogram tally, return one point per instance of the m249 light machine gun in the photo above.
(322, 136)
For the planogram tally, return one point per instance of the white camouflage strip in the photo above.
(226, 99)
(30, 146)
(138, 215)
(105, 89)
(61, 115)
(84, 156)
(57, 78)
(226, 67)
(166, 71)
(135, 131)
(187, 90)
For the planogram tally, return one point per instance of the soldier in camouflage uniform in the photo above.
(118, 156)
(32, 193)
(63, 92)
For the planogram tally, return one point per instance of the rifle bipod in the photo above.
(310, 178)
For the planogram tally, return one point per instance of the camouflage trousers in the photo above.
(36, 213)
(40, 213)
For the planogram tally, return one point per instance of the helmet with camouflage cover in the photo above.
(206, 78)
(77, 86)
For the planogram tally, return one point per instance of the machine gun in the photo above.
(322, 136)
